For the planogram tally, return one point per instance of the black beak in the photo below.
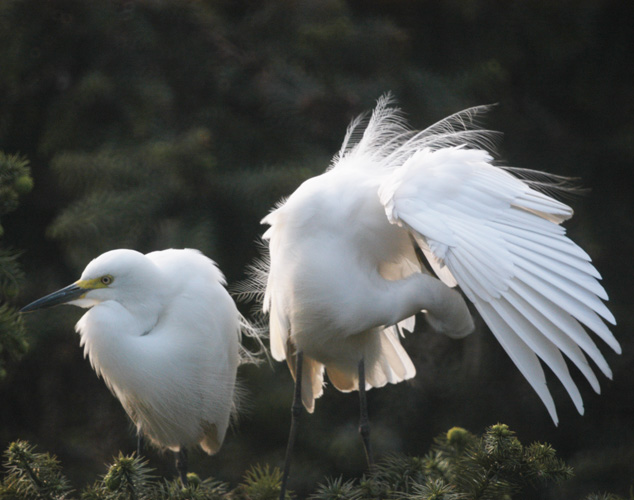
(66, 294)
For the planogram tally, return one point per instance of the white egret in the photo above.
(342, 270)
(164, 334)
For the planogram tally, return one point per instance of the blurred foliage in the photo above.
(180, 123)
(15, 181)
(459, 465)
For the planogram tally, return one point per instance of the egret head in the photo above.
(121, 275)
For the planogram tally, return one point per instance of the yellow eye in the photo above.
(106, 280)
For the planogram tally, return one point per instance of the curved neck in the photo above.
(445, 307)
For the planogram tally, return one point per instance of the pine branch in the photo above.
(338, 489)
(33, 475)
(15, 180)
(11, 273)
(459, 466)
(260, 483)
(197, 489)
(13, 344)
(129, 478)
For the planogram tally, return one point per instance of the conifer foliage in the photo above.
(32, 475)
(15, 180)
(459, 466)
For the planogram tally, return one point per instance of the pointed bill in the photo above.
(72, 292)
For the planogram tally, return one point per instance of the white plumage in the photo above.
(164, 334)
(342, 268)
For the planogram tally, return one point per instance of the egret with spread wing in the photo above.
(342, 270)
(164, 334)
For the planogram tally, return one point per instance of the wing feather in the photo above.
(500, 241)
(542, 322)
(438, 266)
(565, 323)
(545, 206)
(539, 344)
(552, 254)
(572, 285)
(522, 355)
(397, 364)
(559, 272)
(553, 240)
(574, 307)
(278, 334)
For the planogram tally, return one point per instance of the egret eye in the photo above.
(106, 280)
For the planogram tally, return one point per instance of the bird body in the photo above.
(164, 334)
(341, 276)
(343, 269)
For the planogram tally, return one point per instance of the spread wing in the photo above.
(500, 240)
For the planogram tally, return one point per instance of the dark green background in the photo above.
(168, 124)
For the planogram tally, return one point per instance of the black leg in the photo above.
(296, 411)
(139, 444)
(181, 464)
(364, 421)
